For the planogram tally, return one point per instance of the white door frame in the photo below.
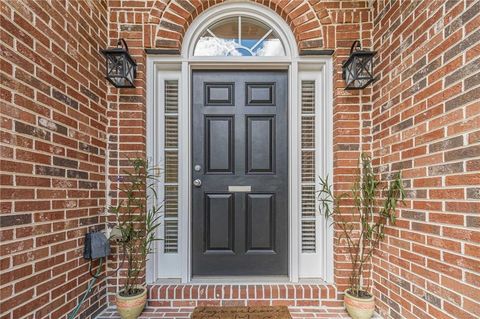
(182, 66)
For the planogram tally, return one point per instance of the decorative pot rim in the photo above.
(369, 299)
(144, 292)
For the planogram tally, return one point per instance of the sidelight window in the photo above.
(239, 36)
(164, 123)
(314, 148)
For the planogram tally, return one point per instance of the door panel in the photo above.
(260, 144)
(260, 94)
(260, 222)
(219, 144)
(219, 225)
(240, 139)
(219, 94)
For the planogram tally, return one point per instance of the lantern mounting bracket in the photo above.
(355, 45)
(122, 43)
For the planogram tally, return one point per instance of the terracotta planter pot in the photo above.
(131, 307)
(359, 308)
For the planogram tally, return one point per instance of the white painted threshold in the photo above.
(240, 280)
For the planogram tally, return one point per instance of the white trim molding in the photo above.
(160, 68)
(317, 263)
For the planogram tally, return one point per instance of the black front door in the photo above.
(240, 173)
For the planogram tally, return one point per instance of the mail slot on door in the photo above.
(239, 189)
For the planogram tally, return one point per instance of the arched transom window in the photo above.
(239, 36)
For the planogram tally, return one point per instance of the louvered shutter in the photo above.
(308, 173)
(171, 167)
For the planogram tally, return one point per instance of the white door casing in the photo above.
(318, 69)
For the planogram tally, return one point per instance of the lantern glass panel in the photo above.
(130, 72)
(364, 66)
(349, 72)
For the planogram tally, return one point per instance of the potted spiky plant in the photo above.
(137, 217)
(361, 216)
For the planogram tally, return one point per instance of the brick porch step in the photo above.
(179, 300)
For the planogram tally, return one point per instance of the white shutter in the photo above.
(308, 236)
(308, 157)
(170, 221)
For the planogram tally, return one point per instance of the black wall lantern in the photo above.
(357, 71)
(121, 69)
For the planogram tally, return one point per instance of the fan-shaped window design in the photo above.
(239, 36)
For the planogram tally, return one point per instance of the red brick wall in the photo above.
(426, 119)
(53, 144)
(64, 131)
(126, 108)
(351, 20)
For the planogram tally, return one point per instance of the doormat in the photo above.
(253, 312)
